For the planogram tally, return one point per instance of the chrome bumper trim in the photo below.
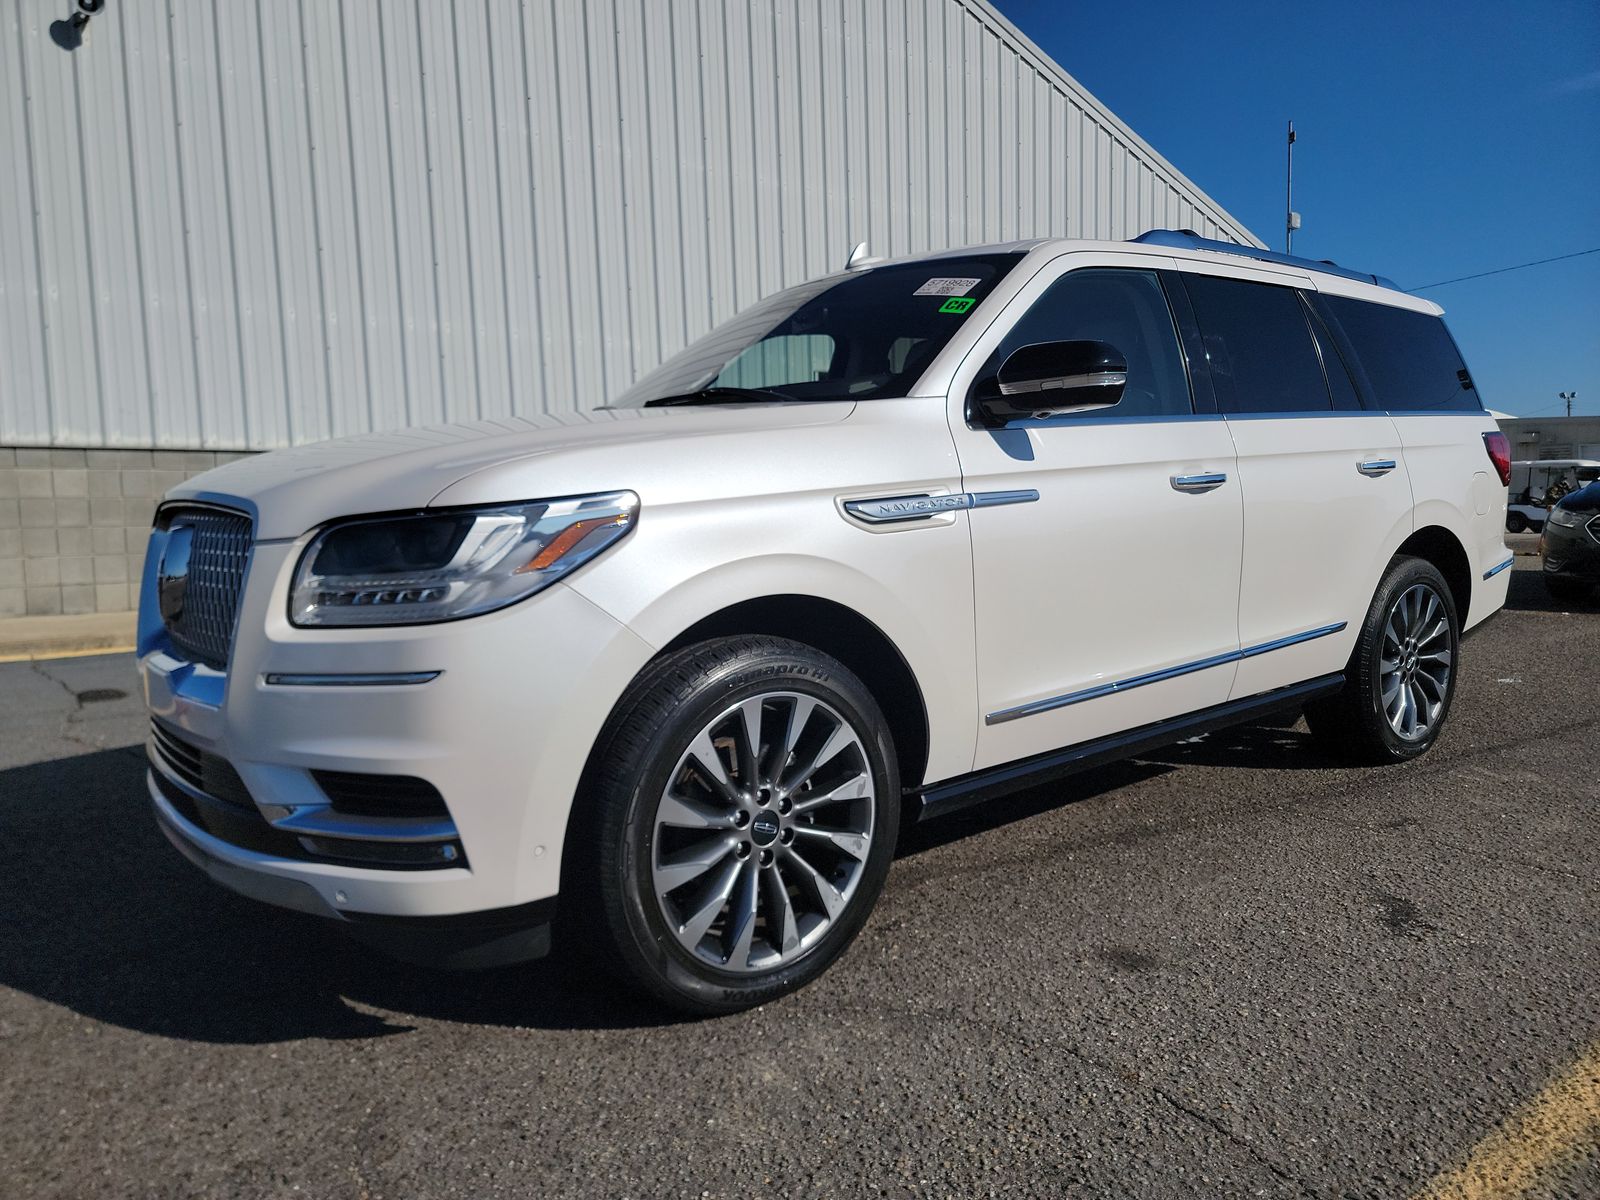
(389, 679)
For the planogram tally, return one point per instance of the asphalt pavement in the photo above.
(1234, 968)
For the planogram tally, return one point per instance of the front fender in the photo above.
(913, 585)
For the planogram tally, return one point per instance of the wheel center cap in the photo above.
(764, 829)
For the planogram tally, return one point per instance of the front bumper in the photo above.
(1571, 552)
(500, 727)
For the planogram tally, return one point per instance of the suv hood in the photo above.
(294, 490)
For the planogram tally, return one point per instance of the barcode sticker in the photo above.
(946, 287)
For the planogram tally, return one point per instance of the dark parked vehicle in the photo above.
(1570, 545)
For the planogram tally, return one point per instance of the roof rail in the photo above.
(1188, 239)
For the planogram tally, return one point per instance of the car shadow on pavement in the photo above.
(101, 915)
(1528, 593)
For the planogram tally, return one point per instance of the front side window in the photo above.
(1128, 311)
(862, 335)
(1258, 346)
(1409, 357)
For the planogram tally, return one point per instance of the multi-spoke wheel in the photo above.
(763, 831)
(1401, 673)
(1414, 667)
(745, 805)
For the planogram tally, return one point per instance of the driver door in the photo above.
(1111, 601)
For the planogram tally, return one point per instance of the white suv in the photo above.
(669, 674)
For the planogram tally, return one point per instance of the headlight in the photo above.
(1565, 518)
(453, 563)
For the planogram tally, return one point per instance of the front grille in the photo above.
(201, 619)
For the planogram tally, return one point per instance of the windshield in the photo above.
(862, 335)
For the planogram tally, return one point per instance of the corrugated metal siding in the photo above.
(262, 222)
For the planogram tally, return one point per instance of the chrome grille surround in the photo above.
(201, 607)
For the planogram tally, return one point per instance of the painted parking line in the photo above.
(1556, 1128)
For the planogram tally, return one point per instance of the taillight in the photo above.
(1499, 448)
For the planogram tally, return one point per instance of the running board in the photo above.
(953, 795)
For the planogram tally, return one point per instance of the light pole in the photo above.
(1291, 219)
(1569, 397)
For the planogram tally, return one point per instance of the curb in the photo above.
(25, 639)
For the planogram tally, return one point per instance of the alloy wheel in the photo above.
(762, 832)
(1415, 663)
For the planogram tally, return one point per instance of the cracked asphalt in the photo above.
(1233, 968)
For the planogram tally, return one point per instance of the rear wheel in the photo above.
(743, 805)
(1516, 523)
(1401, 675)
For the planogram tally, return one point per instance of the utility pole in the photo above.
(1569, 397)
(1291, 219)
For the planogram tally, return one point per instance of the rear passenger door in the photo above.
(1323, 481)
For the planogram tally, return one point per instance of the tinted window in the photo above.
(1126, 309)
(1258, 346)
(1334, 368)
(1409, 358)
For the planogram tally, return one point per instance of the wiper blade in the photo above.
(724, 395)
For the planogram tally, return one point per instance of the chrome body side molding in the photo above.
(1051, 703)
(1493, 571)
(883, 510)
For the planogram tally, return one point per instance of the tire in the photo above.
(1401, 675)
(1516, 523)
(800, 854)
(1568, 591)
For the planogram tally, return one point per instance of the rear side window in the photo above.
(1258, 346)
(1409, 358)
(1125, 308)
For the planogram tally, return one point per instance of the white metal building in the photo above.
(233, 227)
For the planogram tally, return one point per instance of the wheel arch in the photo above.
(842, 632)
(1437, 545)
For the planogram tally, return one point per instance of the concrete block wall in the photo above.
(73, 524)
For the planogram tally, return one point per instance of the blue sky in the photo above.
(1435, 140)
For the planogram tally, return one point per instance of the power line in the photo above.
(1502, 270)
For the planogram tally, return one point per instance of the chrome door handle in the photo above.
(1374, 467)
(1195, 484)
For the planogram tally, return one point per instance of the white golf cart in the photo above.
(1537, 484)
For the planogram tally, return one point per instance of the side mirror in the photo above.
(1053, 377)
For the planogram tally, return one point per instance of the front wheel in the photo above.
(743, 803)
(1516, 523)
(1401, 675)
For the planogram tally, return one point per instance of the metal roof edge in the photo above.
(986, 12)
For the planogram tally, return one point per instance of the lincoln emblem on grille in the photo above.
(173, 579)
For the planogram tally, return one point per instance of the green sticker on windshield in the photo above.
(957, 304)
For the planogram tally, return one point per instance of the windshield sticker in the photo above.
(946, 287)
(957, 304)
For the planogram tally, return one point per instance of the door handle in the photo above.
(1374, 467)
(1194, 484)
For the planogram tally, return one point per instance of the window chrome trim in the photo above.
(276, 679)
(1125, 685)
(1493, 571)
(884, 510)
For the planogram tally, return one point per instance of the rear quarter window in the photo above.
(1409, 358)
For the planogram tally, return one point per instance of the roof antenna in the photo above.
(859, 258)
